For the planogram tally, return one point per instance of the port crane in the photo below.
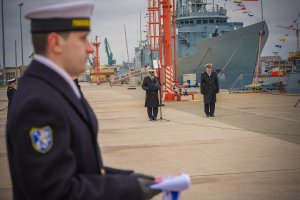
(110, 57)
(294, 28)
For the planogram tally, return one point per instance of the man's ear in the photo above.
(55, 43)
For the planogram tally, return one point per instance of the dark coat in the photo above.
(72, 168)
(209, 87)
(10, 94)
(152, 87)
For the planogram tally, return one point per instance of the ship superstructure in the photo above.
(206, 36)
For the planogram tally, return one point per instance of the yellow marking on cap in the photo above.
(102, 171)
(80, 23)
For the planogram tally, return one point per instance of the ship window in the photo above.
(191, 22)
(181, 22)
(186, 22)
(217, 21)
(205, 21)
(211, 21)
(199, 21)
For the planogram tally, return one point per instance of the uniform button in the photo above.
(102, 171)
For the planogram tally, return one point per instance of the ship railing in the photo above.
(238, 82)
(127, 76)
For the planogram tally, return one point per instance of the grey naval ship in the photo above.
(205, 36)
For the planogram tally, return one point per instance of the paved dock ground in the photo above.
(250, 150)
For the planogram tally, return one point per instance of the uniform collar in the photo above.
(53, 79)
(48, 63)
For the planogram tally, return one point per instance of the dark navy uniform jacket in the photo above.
(10, 94)
(72, 168)
(151, 87)
(209, 87)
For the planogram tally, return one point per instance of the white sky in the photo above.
(110, 16)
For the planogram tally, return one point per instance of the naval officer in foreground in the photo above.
(51, 130)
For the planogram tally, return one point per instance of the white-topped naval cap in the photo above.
(79, 9)
(208, 65)
(149, 69)
(74, 16)
(11, 80)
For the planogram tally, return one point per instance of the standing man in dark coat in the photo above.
(151, 85)
(209, 89)
(11, 89)
(51, 130)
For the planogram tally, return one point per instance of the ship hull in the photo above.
(232, 54)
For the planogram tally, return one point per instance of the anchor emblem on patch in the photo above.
(41, 139)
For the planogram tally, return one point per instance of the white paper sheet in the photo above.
(173, 183)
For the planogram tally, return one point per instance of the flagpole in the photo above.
(259, 44)
(262, 10)
(3, 45)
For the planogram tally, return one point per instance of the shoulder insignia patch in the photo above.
(41, 139)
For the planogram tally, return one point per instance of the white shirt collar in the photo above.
(61, 72)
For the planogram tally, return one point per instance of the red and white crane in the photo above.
(96, 59)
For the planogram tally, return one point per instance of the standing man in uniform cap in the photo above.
(209, 89)
(51, 130)
(151, 85)
(11, 89)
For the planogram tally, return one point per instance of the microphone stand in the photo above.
(160, 97)
(297, 103)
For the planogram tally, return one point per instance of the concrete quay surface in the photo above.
(250, 150)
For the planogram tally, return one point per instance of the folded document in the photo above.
(172, 185)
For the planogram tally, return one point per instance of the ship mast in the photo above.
(262, 10)
(198, 5)
(185, 7)
(261, 34)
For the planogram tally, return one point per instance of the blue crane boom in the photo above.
(110, 58)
